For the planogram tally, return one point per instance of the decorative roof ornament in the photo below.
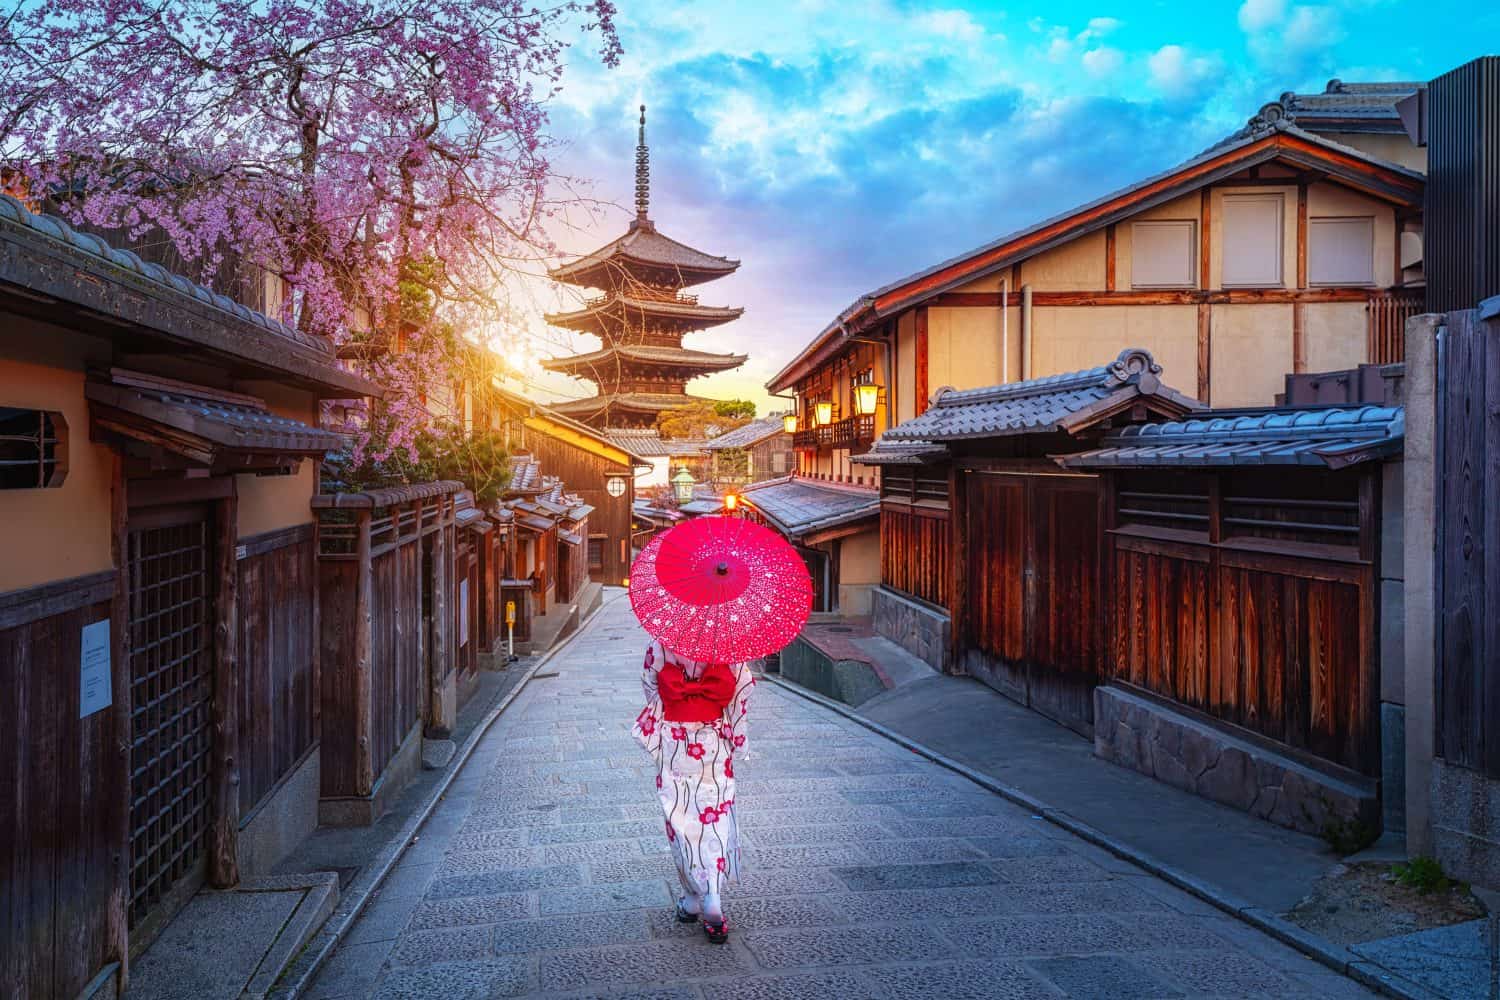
(1133, 362)
(642, 172)
(1277, 111)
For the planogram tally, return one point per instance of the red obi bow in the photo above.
(702, 700)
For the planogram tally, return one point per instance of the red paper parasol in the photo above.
(721, 590)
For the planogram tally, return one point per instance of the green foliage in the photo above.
(1422, 874)
(735, 408)
(701, 420)
(479, 460)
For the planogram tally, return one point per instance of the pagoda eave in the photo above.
(639, 361)
(646, 403)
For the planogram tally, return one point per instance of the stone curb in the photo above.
(299, 977)
(1334, 957)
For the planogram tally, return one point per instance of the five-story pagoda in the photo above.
(641, 317)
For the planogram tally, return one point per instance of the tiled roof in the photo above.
(1340, 107)
(798, 507)
(698, 316)
(650, 354)
(255, 336)
(648, 443)
(552, 413)
(224, 425)
(700, 508)
(642, 244)
(887, 452)
(644, 402)
(1056, 402)
(752, 433)
(1327, 437)
(525, 474)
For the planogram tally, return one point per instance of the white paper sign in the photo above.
(94, 687)
(463, 612)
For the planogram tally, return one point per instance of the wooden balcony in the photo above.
(851, 432)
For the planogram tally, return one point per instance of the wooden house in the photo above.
(158, 598)
(1293, 245)
(760, 450)
(834, 527)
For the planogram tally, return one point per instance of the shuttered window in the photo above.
(1252, 240)
(1163, 254)
(1341, 251)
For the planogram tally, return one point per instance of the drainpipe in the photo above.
(1025, 331)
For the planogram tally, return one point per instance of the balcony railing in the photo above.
(847, 433)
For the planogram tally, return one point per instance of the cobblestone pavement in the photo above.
(870, 872)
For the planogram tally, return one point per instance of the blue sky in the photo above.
(836, 146)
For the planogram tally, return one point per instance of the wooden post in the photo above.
(1205, 243)
(1302, 235)
(958, 567)
(1205, 349)
(223, 859)
(440, 660)
(921, 390)
(117, 916)
(1109, 257)
(364, 583)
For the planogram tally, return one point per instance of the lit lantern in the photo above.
(865, 398)
(824, 411)
(682, 485)
(731, 501)
(789, 423)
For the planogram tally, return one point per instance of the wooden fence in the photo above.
(384, 556)
(1468, 543)
(915, 552)
(1387, 313)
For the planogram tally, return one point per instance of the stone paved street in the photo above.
(870, 873)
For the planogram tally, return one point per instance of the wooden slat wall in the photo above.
(915, 552)
(1271, 643)
(59, 781)
(1468, 544)
(397, 678)
(338, 590)
(585, 474)
(276, 663)
(1386, 325)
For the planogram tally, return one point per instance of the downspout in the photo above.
(1025, 331)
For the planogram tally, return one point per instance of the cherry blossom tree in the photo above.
(387, 158)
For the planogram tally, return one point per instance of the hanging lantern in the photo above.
(731, 501)
(682, 485)
(865, 398)
(824, 411)
(789, 423)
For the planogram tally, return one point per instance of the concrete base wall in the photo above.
(849, 681)
(854, 599)
(922, 631)
(364, 810)
(1192, 754)
(1466, 823)
(282, 821)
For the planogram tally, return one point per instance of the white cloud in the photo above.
(955, 24)
(1060, 48)
(1258, 15)
(1103, 61)
(1177, 73)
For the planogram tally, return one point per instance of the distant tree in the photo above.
(387, 158)
(735, 408)
(702, 420)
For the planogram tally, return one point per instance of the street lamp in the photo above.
(824, 412)
(789, 423)
(682, 485)
(731, 501)
(865, 398)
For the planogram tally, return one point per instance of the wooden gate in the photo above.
(171, 675)
(1030, 625)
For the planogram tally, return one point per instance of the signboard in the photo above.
(463, 615)
(94, 683)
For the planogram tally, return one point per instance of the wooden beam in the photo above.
(1302, 235)
(223, 857)
(1205, 230)
(1109, 257)
(117, 905)
(1205, 353)
(1185, 297)
(921, 391)
(364, 584)
(1299, 341)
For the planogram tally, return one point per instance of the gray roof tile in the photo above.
(798, 507)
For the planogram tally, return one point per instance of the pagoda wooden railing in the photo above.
(1387, 313)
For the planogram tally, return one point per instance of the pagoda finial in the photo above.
(642, 172)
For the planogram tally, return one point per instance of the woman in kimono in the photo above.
(693, 726)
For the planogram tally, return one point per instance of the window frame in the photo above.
(1192, 248)
(58, 440)
(1313, 223)
(1276, 198)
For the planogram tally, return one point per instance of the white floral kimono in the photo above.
(695, 776)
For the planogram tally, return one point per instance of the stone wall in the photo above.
(852, 682)
(921, 630)
(1198, 757)
(1466, 823)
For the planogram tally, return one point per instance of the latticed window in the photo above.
(596, 552)
(33, 449)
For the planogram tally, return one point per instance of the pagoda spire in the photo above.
(642, 172)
